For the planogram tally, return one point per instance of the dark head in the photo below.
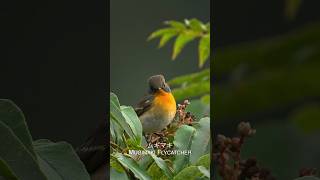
(158, 82)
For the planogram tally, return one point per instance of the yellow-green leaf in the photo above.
(176, 24)
(204, 49)
(166, 37)
(181, 42)
(196, 25)
(161, 32)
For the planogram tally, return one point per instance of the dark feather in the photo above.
(144, 105)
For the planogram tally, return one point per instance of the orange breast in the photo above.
(166, 102)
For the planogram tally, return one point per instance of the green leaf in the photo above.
(5, 171)
(117, 117)
(181, 42)
(13, 117)
(176, 24)
(204, 161)
(161, 32)
(115, 175)
(17, 157)
(204, 171)
(132, 165)
(204, 49)
(197, 77)
(59, 161)
(196, 25)
(165, 38)
(207, 27)
(114, 99)
(145, 161)
(307, 178)
(117, 171)
(154, 171)
(192, 90)
(116, 165)
(134, 122)
(182, 142)
(200, 139)
(133, 145)
(162, 165)
(118, 133)
(191, 172)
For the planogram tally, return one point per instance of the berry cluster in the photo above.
(227, 152)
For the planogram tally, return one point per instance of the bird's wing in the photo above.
(93, 152)
(144, 105)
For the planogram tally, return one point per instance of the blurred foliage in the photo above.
(292, 8)
(255, 73)
(273, 83)
(185, 32)
(23, 158)
(126, 134)
(307, 118)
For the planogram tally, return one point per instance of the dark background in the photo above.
(255, 69)
(133, 59)
(54, 65)
(54, 54)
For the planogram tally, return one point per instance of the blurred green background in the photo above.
(133, 59)
(269, 75)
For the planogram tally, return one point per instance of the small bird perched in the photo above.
(157, 109)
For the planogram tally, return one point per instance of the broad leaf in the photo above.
(134, 122)
(59, 161)
(204, 161)
(117, 117)
(182, 142)
(5, 171)
(191, 172)
(16, 157)
(13, 117)
(114, 175)
(200, 139)
(162, 165)
(132, 165)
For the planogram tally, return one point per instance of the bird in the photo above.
(157, 109)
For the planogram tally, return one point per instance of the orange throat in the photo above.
(166, 101)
